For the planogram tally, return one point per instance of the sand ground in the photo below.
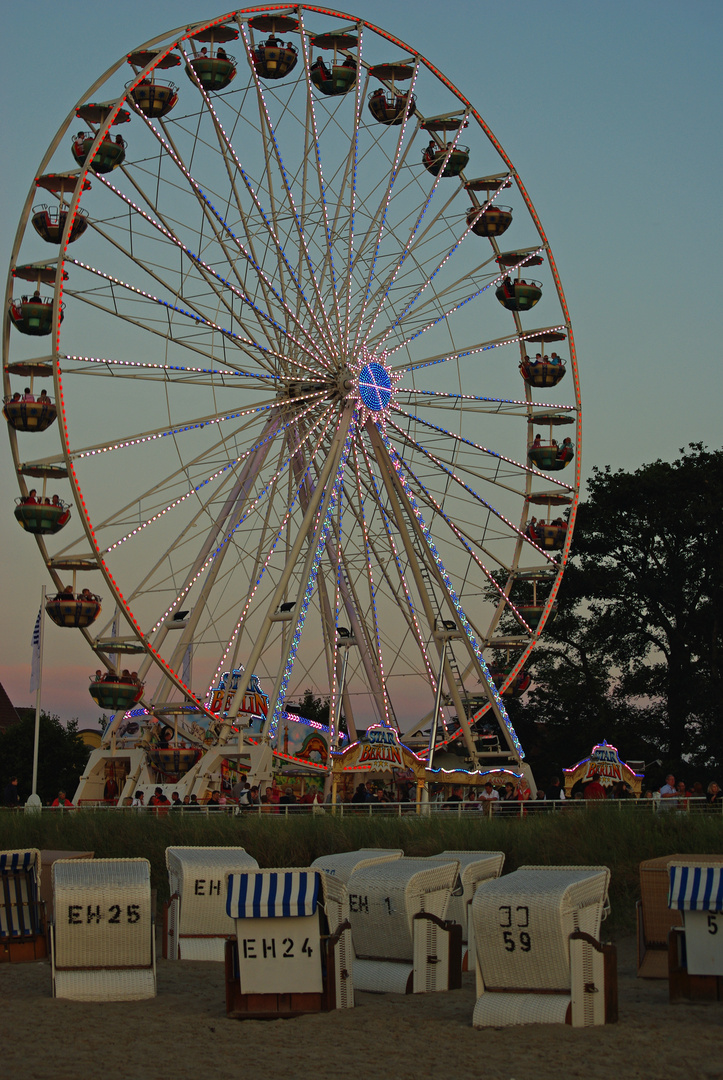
(184, 1034)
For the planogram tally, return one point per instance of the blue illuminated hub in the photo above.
(375, 387)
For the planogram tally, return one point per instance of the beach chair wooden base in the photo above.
(681, 985)
(284, 1006)
(20, 952)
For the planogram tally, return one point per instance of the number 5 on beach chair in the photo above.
(292, 954)
(102, 937)
(539, 957)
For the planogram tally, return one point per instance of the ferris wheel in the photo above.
(301, 403)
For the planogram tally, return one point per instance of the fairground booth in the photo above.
(605, 762)
(381, 758)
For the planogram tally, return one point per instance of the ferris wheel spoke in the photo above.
(167, 310)
(250, 508)
(472, 350)
(464, 536)
(98, 367)
(265, 321)
(379, 657)
(328, 246)
(218, 285)
(409, 244)
(408, 609)
(264, 281)
(325, 329)
(380, 214)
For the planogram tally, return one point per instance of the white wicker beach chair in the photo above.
(293, 952)
(196, 925)
(539, 958)
(343, 864)
(22, 918)
(475, 866)
(102, 938)
(401, 940)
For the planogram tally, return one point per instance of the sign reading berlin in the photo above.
(380, 744)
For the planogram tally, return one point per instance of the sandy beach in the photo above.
(184, 1034)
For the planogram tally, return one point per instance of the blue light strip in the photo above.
(473, 296)
(448, 256)
(396, 464)
(392, 178)
(311, 583)
(329, 337)
(372, 592)
(196, 259)
(219, 217)
(267, 560)
(437, 507)
(405, 588)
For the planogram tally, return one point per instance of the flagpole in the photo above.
(34, 796)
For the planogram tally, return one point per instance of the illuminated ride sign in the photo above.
(605, 761)
(254, 703)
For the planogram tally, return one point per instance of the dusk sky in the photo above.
(612, 114)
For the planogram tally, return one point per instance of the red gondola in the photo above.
(49, 222)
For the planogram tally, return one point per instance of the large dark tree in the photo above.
(61, 758)
(635, 653)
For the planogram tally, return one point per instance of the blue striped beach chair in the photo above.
(22, 915)
(695, 953)
(292, 953)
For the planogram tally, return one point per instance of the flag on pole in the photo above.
(35, 665)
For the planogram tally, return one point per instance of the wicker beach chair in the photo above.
(343, 864)
(292, 953)
(654, 918)
(696, 950)
(22, 916)
(475, 866)
(402, 942)
(102, 937)
(539, 959)
(196, 925)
